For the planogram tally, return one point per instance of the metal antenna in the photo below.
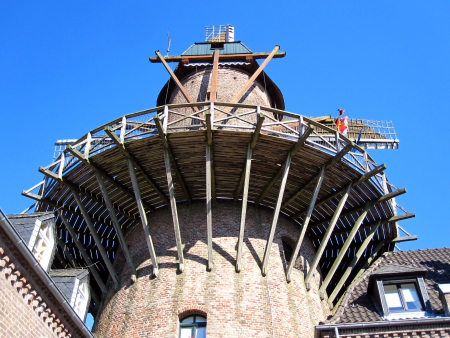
(169, 39)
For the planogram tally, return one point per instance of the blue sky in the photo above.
(67, 67)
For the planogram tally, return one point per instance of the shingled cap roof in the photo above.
(359, 306)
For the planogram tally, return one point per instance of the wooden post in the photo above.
(326, 237)
(248, 165)
(214, 79)
(299, 242)
(276, 215)
(209, 206)
(352, 264)
(116, 225)
(173, 208)
(96, 238)
(344, 248)
(144, 220)
(91, 266)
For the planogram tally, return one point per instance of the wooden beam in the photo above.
(344, 248)
(97, 240)
(328, 165)
(252, 145)
(214, 77)
(354, 183)
(248, 165)
(175, 79)
(370, 259)
(301, 141)
(116, 225)
(209, 57)
(327, 235)
(359, 207)
(65, 207)
(162, 136)
(299, 242)
(352, 264)
(276, 215)
(97, 169)
(173, 208)
(210, 149)
(209, 205)
(130, 157)
(144, 221)
(91, 266)
(66, 251)
(85, 192)
(405, 239)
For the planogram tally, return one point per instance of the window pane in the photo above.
(188, 320)
(200, 319)
(392, 298)
(185, 332)
(411, 297)
(201, 332)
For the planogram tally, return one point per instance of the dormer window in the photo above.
(402, 297)
(399, 292)
(43, 246)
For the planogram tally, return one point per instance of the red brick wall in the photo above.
(236, 304)
(27, 309)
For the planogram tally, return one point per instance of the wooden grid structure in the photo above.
(107, 181)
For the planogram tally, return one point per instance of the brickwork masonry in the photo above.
(244, 304)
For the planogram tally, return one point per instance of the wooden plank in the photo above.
(95, 236)
(175, 79)
(209, 206)
(116, 225)
(144, 221)
(352, 264)
(327, 235)
(275, 216)
(244, 208)
(173, 208)
(299, 242)
(301, 141)
(91, 266)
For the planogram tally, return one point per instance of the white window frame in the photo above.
(44, 243)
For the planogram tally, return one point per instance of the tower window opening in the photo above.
(193, 327)
(287, 249)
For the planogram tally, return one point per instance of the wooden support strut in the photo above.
(175, 79)
(359, 207)
(130, 157)
(84, 191)
(352, 264)
(144, 221)
(250, 81)
(301, 141)
(299, 242)
(327, 235)
(97, 240)
(97, 169)
(252, 145)
(91, 266)
(344, 248)
(209, 116)
(209, 205)
(354, 183)
(162, 136)
(328, 165)
(116, 225)
(276, 215)
(248, 165)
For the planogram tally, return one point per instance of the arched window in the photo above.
(193, 327)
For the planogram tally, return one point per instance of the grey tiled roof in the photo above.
(358, 306)
(25, 223)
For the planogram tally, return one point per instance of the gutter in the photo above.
(379, 324)
(6, 225)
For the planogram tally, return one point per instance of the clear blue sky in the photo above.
(67, 67)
